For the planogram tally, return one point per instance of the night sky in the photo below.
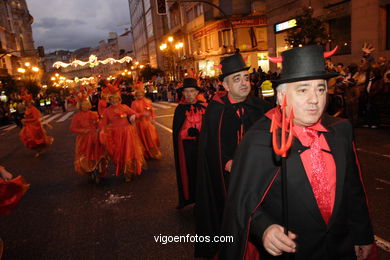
(73, 24)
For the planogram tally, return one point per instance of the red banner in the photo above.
(220, 25)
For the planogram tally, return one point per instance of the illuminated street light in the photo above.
(170, 47)
(179, 45)
(35, 69)
(141, 66)
(27, 64)
(21, 70)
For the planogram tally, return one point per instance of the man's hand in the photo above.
(362, 252)
(276, 242)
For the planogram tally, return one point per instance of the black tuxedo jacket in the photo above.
(254, 198)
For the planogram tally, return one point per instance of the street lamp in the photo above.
(28, 71)
(170, 49)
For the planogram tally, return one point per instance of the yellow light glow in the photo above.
(35, 69)
(123, 73)
(53, 78)
(132, 67)
(170, 39)
(27, 64)
(141, 66)
(163, 46)
(21, 70)
(129, 73)
(179, 45)
(57, 74)
(136, 63)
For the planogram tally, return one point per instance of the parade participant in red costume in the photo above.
(32, 134)
(89, 153)
(325, 199)
(187, 122)
(145, 128)
(120, 138)
(11, 191)
(102, 104)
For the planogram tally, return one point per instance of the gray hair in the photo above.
(282, 88)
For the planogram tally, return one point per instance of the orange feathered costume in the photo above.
(11, 193)
(120, 138)
(89, 153)
(32, 134)
(146, 130)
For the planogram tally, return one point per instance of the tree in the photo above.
(148, 72)
(309, 31)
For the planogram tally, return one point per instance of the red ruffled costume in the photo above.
(89, 153)
(10, 193)
(121, 140)
(146, 130)
(32, 134)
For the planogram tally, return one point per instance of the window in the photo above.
(190, 15)
(340, 32)
(387, 26)
(198, 10)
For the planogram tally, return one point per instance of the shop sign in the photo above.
(285, 25)
(221, 25)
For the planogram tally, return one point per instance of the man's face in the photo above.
(190, 94)
(238, 85)
(308, 99)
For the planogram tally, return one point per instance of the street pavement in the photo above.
(63, 216)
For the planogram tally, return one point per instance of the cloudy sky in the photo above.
(73, 24)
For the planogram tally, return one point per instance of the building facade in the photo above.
(148, 28)
(16, 40)
(349, 23)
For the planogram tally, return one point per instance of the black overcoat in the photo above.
(217, 144)
(254, 198)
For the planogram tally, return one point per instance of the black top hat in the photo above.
(232, 64)
(189, 83)
(304, 63)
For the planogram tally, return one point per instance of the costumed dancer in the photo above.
(146, 130)
(327, 216)
(102, 104)
(120, 137)
(11, 192)
(32, 134)
(187, 122)
(226, 120)
(89, 153)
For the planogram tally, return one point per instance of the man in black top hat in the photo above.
(327, 212)
(226, 120)
(187, 122)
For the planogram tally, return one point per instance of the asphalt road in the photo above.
(63, 216)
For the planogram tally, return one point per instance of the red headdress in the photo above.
(139, 87)
(83, 94)
(113, 89)
(25, 96)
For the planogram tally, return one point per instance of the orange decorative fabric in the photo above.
(121, 140)
(146, 130)
(88, 152)
(32, 134)
(102, 105)
(10, 193)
